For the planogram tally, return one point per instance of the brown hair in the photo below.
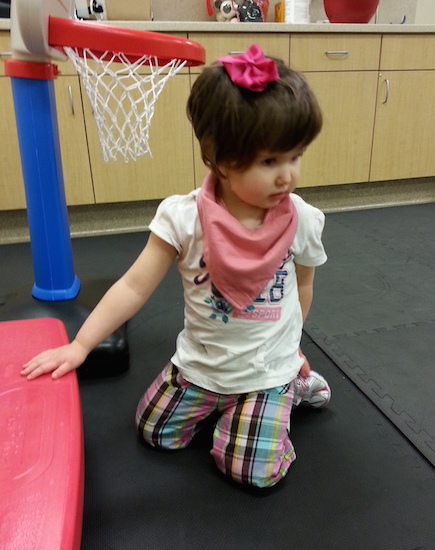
(233, 124)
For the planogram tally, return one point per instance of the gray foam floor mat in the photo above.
(374, 311)
(357, 483)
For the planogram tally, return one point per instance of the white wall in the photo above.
(425, 11)
(390, 11)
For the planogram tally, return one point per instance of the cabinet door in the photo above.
(5, 50)
(341, 153)
(12, 195)
(405, 126)
(11, 181)
(170, 170)
(73, 143)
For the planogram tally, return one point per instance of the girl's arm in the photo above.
(119, 304)
(305, 281)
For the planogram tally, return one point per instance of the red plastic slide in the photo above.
(41, 444)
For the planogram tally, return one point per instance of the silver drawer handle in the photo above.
(336, 52)
(387, 91)
(5, 53)
(71, 100)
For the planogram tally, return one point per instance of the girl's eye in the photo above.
(268, 161)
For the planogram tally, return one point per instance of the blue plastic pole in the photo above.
(38, 136)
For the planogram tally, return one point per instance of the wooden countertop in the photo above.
(204, 26)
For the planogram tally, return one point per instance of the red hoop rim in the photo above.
(133, 43)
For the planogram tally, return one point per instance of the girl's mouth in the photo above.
(278, 196)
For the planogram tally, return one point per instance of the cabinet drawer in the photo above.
(344, 52)
(220, 44)
(5, 49)
(408, 51)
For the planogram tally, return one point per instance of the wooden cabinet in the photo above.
(408, 52)
(74, 150)
(343, 72)
(170, 169)
(88, 179)
(73, 142)
(199, 166)
(5, 48)
(334, 52)
(376, 93)
(342, 151)
(404, 130)
(11, 179)
(75, 158)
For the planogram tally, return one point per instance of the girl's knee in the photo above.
(163, 437)
(257, 469)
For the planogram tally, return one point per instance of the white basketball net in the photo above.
(122, 100)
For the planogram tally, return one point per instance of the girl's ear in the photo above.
(222, 169)
(206, 152)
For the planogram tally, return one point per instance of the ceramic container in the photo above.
(350, 11)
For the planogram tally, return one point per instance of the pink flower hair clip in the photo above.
(251, 70)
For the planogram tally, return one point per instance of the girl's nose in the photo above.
(285, 175)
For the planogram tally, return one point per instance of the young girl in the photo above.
(246, 249)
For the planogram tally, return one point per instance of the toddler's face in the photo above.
(267, 181)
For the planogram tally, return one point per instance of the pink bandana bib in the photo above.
(241, 261)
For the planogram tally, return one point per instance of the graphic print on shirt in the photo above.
(220, 306)
(266, 307)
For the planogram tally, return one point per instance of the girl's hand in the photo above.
(305, 369)
(58, 361)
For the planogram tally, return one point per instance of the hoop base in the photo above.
(110, 358)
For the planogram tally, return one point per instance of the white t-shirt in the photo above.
(227, 350)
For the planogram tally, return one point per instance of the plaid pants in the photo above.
(250, 440)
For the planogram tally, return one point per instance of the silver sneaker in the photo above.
(312, 391)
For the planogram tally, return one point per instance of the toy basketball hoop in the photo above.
(111, 63)
(122, 70)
